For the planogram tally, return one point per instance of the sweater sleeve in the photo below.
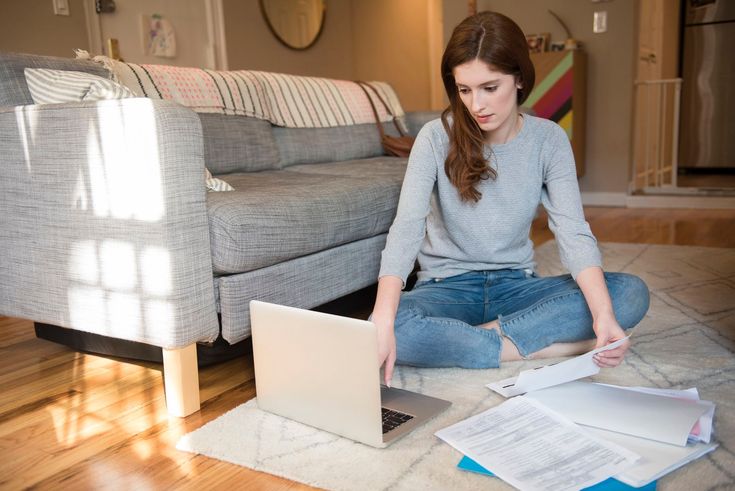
(560, 197)
(409, 226)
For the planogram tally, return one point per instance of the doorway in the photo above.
(707, 146)
(193, 31)
(665, 127)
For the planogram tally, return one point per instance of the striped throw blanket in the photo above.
(284, 100)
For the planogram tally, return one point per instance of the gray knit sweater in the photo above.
(451, 237)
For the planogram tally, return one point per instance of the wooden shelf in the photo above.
(560, 94)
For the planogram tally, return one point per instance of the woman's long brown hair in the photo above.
(499, 42)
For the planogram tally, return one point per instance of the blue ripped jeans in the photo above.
(435, 323)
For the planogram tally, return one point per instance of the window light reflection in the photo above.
(155, 271)
(124, 164)
(119, 265)
(84, 264)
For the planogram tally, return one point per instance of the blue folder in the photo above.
(610, 484)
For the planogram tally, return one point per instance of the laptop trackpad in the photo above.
(420, 406)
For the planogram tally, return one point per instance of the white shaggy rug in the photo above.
(686, 340)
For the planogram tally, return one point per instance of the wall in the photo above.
(30, 26)
(362, 40)
(610, 75)
(453, 13)
(391, 43)
(187, 18)
(251, 45)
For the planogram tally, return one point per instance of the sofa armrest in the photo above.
(103, 223)
(417, 119)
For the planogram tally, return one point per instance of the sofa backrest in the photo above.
(316, 145)
(238, 144)
(232, 143)
(314, 119)
(13, 87)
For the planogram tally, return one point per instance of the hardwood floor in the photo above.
(70, 420)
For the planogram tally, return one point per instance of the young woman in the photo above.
(474, 180)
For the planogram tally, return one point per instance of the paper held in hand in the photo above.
(551, 375)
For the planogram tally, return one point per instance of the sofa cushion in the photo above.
(274, 216)
(13, 87)
(311, 145)
(238, 144)
(304, 282)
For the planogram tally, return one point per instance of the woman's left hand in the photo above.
(608, 331)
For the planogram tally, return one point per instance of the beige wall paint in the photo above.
(610, 75)
(454, 11)
(187, 17)
(362, 40)
(391, 43)
(30, 26)
(251, 46)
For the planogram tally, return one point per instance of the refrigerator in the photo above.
(707, 131)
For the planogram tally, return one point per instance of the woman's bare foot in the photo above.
(509, 351)
(557, 350)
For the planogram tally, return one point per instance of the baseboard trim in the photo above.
(623, 200)
(604, 199)
(696, 202)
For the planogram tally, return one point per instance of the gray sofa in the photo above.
(106, 226)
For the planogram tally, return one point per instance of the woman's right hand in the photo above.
(386, 347)
(384, 317)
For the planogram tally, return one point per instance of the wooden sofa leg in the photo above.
(181, 379)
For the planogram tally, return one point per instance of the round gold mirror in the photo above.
(296, 23)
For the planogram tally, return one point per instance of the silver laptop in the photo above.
(322, 370)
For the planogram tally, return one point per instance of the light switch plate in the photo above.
(61, 7)
(599, 22)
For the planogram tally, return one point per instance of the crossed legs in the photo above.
(479, 319)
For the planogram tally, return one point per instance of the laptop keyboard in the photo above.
(393, 419)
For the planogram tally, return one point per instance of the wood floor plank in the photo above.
(14, 331)
(81, 373)
(163, 464)
(70, 420)
(31, 356)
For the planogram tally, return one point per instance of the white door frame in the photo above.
(216, 32)
(94, 30)
(215, 20)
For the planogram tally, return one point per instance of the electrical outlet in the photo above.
(61, 7)
(599, 22)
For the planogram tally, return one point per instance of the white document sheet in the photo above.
(551, 375)
(657, 459)
(533, 448)
(702, 431)
(655, 417)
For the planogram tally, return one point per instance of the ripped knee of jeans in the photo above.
(504, 335)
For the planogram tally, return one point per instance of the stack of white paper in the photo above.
(702, 431)
(654, 424)
(666, 428)
(533, 448)
(660, 418)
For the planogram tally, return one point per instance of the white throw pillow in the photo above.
(214, 183)
(49, 86)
